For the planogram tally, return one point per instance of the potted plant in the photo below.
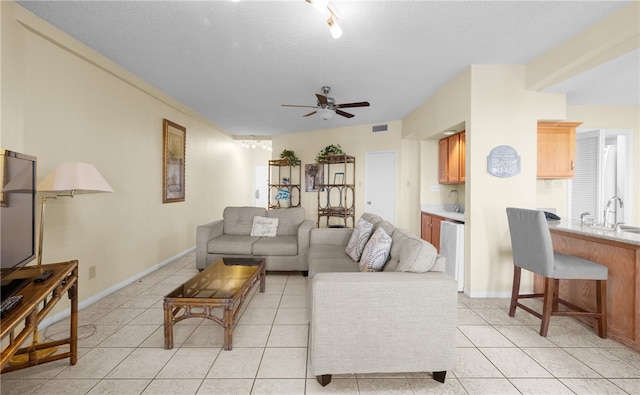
(330, 149)
(289, 154)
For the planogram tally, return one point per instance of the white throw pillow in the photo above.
(263, 226)
(359, 238)
(376, 252)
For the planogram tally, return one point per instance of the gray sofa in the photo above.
(379, 322)
(231, 237)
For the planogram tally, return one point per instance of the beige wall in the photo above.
(355, 141)
(67, 104)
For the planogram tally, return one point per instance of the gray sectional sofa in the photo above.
(400, 319)
(231, 237)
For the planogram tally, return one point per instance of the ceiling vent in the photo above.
(379, 128)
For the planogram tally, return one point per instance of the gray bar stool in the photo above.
(533, 251)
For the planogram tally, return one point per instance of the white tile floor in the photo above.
(122, 351)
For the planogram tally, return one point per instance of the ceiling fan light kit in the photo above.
(323, 6)
(326, 106)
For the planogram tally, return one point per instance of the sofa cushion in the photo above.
(359, 238)
(387, 226)
(398, 236)
(416, 255)
(281, 245)
(231, 244)
(264, 227)
(289, 220)
(239, 220)
(371, 218)
(376, 252)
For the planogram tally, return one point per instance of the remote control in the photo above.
(9, 303)
(43, 276)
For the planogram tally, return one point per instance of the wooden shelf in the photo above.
(336, 196)
(279, 169)
(38, 301)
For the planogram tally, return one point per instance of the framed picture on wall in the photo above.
(173, 161)
(313, 176)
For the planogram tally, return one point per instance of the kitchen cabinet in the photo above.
(450, 159)
(462, 144)
(556, 149)
(430, 229)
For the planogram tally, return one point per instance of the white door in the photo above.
(380, 184)
(261, 189)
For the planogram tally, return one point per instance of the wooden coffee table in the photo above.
(221, 288)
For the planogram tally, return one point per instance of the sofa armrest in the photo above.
(330, 236)
(409, 317)
(204, 233)
(304, 235)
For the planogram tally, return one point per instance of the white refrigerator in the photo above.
(452, 248)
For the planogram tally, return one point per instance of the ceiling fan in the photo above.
(327, 106)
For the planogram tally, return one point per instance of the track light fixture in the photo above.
(323, 6)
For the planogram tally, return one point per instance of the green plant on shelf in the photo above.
(291, 155)
(329, 150)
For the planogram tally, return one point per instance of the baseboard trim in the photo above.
(67, 312)
(488, 294)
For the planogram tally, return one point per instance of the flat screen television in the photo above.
(17, 217)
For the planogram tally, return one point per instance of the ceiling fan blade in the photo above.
(322, 99)
(356, 104)
(311, 113)
(344, 114)
(296, 105)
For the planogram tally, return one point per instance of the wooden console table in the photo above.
(38, 301)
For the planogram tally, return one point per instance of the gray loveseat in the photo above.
(231, 237)
(390, 321)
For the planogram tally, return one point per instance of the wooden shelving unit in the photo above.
(336, 193)
(39, 298)
(284, 179)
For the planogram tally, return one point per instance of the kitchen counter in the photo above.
(619, 251)
(574, 226)
(444, 211)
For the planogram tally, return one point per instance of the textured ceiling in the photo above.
(237, 62)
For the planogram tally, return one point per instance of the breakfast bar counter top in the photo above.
(575, 226)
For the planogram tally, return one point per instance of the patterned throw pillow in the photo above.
(359, 238)
(263, 226)
(376, 252)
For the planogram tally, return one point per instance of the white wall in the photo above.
(67, 103)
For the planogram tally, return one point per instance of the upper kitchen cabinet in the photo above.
(451, 161)
(556, 149)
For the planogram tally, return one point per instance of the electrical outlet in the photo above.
(92, 272)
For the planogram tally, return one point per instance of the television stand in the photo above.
(11, 287)
(39, 299)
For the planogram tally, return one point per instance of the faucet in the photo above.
(456, 207)
(607, 210)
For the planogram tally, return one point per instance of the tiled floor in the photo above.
(122, 351)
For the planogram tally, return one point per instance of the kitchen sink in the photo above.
(623, 228)
(627, 228)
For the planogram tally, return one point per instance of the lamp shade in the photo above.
(74, 178)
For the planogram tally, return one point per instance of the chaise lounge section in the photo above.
(400, 319)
